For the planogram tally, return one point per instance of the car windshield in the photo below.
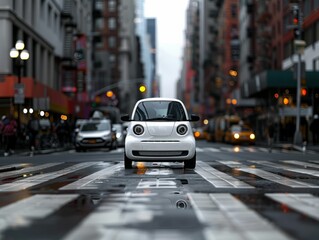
(236, 128)
(95, 126)
(160, 111)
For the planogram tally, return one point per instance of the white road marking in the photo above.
(269, 176)
(92, 181)
(217, 178)
(38, 179)
(228, 218)
(157, 183)
(27, 170)
(24, 212)
(304, 203)
(289, 168)
(304, 164)
(211, 149)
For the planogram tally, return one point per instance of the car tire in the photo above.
(77, 149)
(191, 163)
(127, 162)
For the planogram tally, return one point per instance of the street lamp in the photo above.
(19, 54)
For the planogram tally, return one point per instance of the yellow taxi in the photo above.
(238, 134)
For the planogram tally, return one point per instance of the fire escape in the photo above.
(68, 66)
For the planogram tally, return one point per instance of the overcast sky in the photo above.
(171, 19)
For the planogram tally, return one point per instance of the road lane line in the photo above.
(212, 149)
(27, 170)
(268, 175)
(41, 178)
(228, 218)
(94, 180)
(218, 178)
(304, 164)
(304, 203)
(24, 212)
(289, 168)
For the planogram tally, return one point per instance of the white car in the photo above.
(160, 130)
(94, 133)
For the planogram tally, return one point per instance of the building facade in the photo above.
(47, 28)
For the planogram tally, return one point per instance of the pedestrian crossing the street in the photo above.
(221, 213)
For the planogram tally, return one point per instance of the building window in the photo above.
(99, 5)
(234, 10)
(112, 42)
(49, 15)
(111, 5)
(99, 23)
(112, 23)
(42, 9)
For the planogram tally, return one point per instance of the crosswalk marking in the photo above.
(303, 164)
(268, 175)
(289, 168)
(92, 181)
(228, 218)
(304, 203)
(233, 149)
(217, 178)
(38, 179)
(24, 212)
(27, 170)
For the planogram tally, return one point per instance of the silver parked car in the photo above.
(95, 133)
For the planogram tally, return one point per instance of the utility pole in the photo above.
(299, 47)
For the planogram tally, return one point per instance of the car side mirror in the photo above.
(194, 118)
(125, 118)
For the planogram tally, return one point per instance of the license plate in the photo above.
(92, 141)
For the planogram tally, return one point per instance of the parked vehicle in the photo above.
(160, 130)
(119, 131)
(95, 133)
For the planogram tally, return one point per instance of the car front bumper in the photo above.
(160, 149)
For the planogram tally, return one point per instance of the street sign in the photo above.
(19, 93)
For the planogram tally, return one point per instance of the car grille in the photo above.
(92, 140)
(160, 153)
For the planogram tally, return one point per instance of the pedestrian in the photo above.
(270, 133)
(33, 131)
(314, 128)
(9, 133)
(1, 130)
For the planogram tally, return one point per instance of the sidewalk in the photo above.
(25, 151)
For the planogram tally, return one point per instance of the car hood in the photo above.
(160, 128)
(94, 134)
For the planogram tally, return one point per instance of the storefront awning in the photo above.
(277, 79)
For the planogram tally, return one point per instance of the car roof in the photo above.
(159, 99)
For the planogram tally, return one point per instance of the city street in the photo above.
(235, 192)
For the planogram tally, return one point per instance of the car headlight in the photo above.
(79, 137)
(182, 129)
(138, 129)
(252, 136)
(236, 135)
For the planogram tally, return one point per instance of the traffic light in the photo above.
(285, 101)
(303, 92)
(296, 22)
(109, 94)
(142, 88)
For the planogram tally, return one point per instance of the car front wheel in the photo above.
(191, 163)
(127, 162)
